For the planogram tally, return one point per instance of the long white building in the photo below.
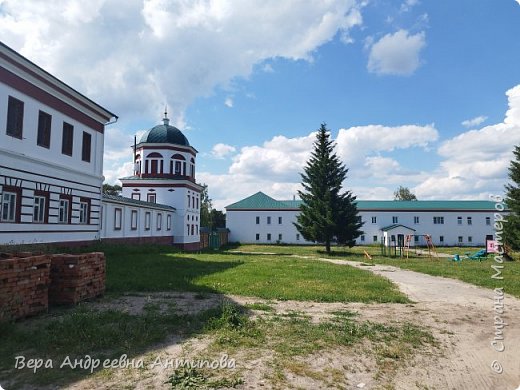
(51, 169)
(262, 219)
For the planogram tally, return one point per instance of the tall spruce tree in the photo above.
(327, 214)
(512, 224)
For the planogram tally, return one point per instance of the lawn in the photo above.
(265, 276)
(470, 271)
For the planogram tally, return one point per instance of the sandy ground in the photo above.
(460, 316)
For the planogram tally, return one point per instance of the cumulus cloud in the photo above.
(275, 166)
(359, 141)
(222, 150)
(396, 54)
(133, 56)
(281, 158)
(476, 161)
(474, 122)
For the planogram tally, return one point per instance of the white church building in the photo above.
(264, 220)
(51, 169)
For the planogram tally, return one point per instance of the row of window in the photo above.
(10, 205)
(268, 220)
(154, 164)
(436, 220)
(460, 239)
(14, 128)
(280, 237)
(118, 220)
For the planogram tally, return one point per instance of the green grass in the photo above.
(78, 331)
(264, 276)
(470, 271)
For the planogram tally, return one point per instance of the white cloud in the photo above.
(407, 5)
(396, 54)
(474, 122)
(476, 162)
(229, 102)
(222, 150)
(275, 166)
(356, 142)
(133, 56)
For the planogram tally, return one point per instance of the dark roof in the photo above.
(395, 225)
(164, 134)
(135, 202)
(261, 201)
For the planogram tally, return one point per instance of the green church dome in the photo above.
(165, 134)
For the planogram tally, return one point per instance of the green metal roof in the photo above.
(164, 134)
(261, 201)
(135, 202)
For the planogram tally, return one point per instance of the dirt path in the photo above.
(470, 310)
(459, 315)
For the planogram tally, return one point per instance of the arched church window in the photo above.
(156, 163)
(176, 164)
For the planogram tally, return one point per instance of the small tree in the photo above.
(205, 207)
(404, 193)
(112, 189)
(512, 224)
(327, 214)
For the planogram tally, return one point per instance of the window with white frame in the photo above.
(374, 219)
(83, 212)
(268, 236)
(470, 239)
(441, 239)
(39, 209)
(470, 221)
(64, 210)
(416, 220)
(362, 238)
(280, 237)
(257, 237)
(438, 220)
(136, 196)
(169, 222)
(461, 240)
(159, 221)
(459, 220)
(395, 219)
(118, 218)
(9, 206)
(147, 219)
(297, 237)
(258, 220)
(268, 220)
(279, 220)
(488, 221)
(133, 220)
(374, 238)
(152, 198)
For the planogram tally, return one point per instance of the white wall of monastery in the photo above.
(122, 220)
(243, 227)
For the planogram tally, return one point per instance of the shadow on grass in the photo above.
(101, 333)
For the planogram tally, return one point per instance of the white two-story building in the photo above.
(51, 170)
(262, 219)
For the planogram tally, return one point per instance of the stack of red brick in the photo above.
(75, 278)
(24, 282)
(29, 282)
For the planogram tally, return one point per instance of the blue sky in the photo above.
(416, 93)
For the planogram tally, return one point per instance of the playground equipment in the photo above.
(480, 255)
(429, 243)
